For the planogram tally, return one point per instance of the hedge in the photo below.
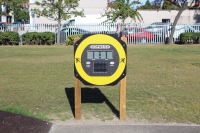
(38, 38)
(70, 39)
(193, 37)
(0, 38)
(9, 38)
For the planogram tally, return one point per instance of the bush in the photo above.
(28, 38)
(48, 37)
(9, 37)
(70, 39)
(193, 37)
(38, 38)
(0, 38)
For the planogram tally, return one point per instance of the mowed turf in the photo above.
(163, 84)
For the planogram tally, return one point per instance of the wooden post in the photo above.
(122, 112)
(77, 93)
(77, 98)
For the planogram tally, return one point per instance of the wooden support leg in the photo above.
(77, 92)
(122, 112)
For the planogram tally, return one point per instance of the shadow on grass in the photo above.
(89, 95)
(195, 64)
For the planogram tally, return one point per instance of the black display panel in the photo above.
(100, 60)
(99, 54)
(100, 67)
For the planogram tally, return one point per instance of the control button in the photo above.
(87, 62)
(112, 62)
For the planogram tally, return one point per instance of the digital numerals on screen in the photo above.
(100, 54)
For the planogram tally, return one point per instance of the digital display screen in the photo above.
(100, 67)
(96, 55)
(109, 54)
(100, 54)
(103, 54)
(90, 55)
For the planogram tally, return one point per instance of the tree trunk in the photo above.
(175, 22)
(58, 37)
(122, 27)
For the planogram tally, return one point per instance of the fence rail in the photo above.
(136, 33)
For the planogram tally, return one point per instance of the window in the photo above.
(72, 22)
(138, 31)
(32, 14)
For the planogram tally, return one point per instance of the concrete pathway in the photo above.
(123, 128)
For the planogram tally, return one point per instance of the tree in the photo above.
(12, 5)
(146, 6)
(21, 14)
(169, 6)
(182, 7)
(122, 9)
(58, 10)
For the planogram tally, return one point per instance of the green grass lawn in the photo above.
(163, 84)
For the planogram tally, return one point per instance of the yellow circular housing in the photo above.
(100, 46)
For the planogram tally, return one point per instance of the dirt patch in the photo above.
(15, 123)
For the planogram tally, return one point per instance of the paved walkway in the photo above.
(122, 128)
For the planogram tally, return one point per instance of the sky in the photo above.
(142, 1)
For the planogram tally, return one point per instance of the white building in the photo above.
(98, 7)
(3, 7)
(9, 18)
(91, 7)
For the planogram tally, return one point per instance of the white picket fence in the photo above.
(136, 33)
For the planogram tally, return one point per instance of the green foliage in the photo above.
(146, 6)
(21, 14)
(190, 37)
(122, 9)
(27, 37)
(10, 37)
(13, 5)
(48, 37)
(0, 38)
(70, 39)
(58, 10)
(167, 5)
(38, 38)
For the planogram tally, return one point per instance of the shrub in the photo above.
(0, 38)
(193, 37)
(10, 37)
(28, 37)
(38, 38)
(48, 37)
(70, 39)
